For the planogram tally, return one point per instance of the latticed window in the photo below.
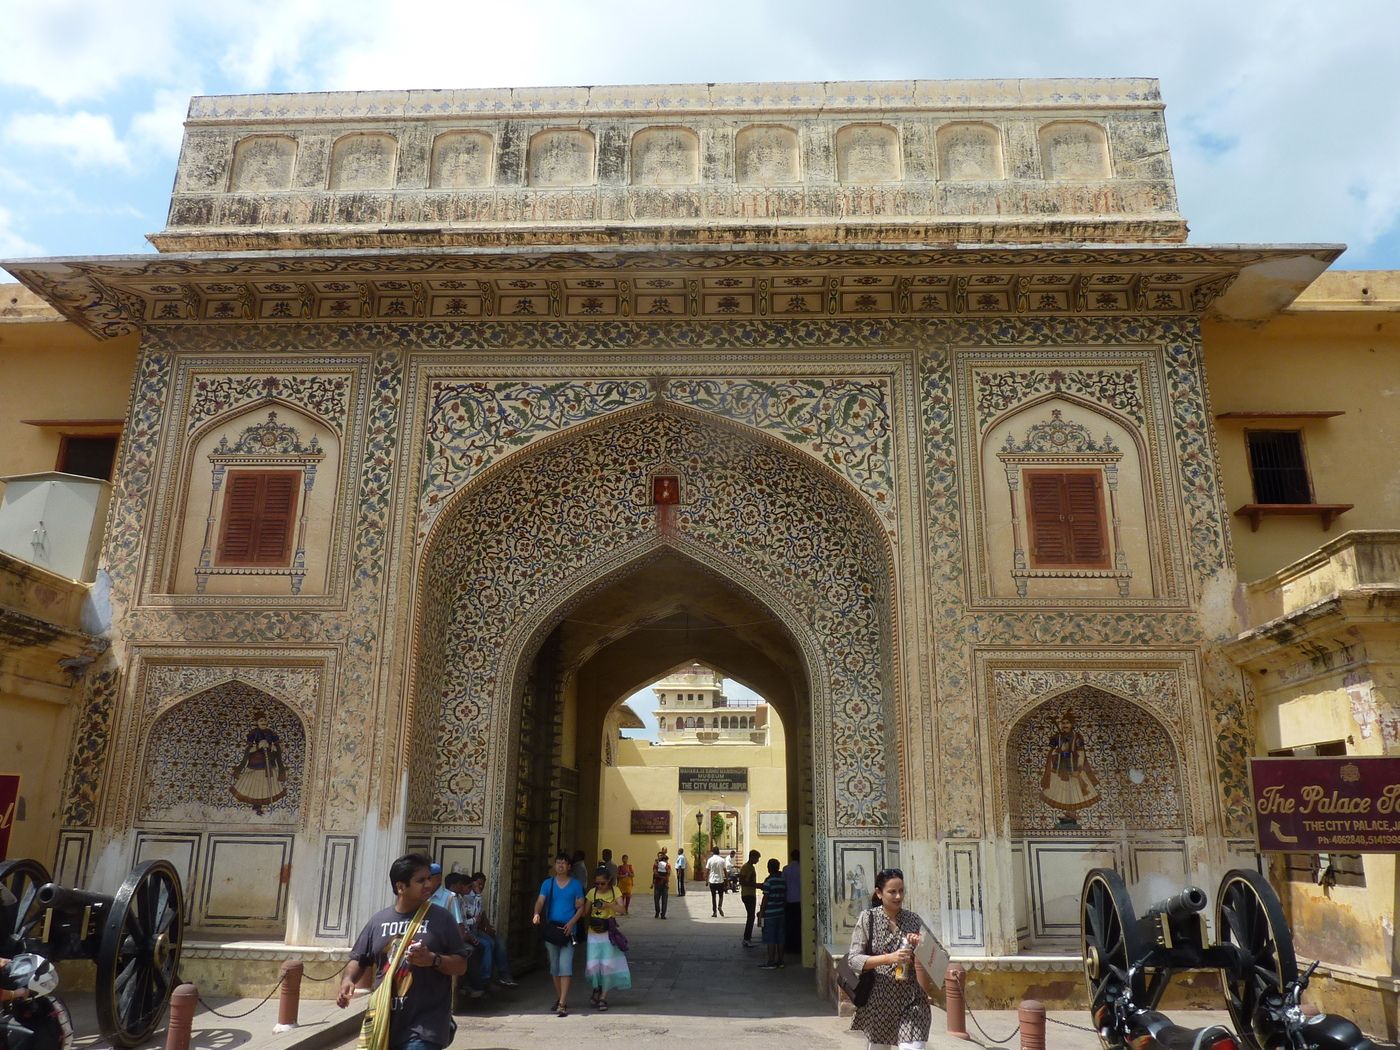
(1067, 525)
(1278, 467)
(259, 517)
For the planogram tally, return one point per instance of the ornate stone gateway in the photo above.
(894, 390)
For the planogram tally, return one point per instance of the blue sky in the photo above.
(1282, 114)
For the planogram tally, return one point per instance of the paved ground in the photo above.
(693, 983)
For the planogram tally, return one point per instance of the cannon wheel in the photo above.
(140, 953)
(23, 878)
(1108, 941)
(1248, 915)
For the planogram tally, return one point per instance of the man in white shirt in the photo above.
(680, 872)
(717, 875)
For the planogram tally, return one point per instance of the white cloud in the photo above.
(88, 139)
(160, 128)
(12, 244)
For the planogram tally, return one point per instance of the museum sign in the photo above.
(1326, 805)
(713, 780)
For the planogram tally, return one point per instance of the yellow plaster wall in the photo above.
(647, 777)
(27, 748)
(1335, 349)
(55, 370)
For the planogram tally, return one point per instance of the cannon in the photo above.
(1128, 962)
(134, 936)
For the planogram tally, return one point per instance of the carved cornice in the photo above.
(117, 295)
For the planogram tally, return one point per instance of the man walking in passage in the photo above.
(717, 874)
(414, 945)
(660, 883)
(680, 872)
(748, 894)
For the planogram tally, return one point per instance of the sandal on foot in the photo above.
(602, 1006)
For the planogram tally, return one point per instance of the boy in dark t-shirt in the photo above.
(421, 1005)
(774, 911)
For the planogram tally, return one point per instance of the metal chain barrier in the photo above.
(245, 1013)
(973, 1018)
(1067, 1024)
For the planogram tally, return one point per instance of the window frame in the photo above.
(283, 560)
(1105, 561)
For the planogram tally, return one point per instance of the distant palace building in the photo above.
(692, 708)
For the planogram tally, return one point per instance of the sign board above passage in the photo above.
(651, 822)
(1326, 805)
(693, 779)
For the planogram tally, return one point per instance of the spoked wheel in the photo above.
(23, 879)
(140, 953)
(1108, 941)
(1248, 915)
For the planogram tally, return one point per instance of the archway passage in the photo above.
(559, 581)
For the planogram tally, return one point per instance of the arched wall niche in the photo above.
(231, 754)
(303, 444)
(668, 156)
(1086, 763)
(767, 155)
(561, 157)
(554, 519)
(1074, 151)
(969, 151)
(263, 162)
(461, 160)
(867, 153)
(363, 160)
(1063, 433)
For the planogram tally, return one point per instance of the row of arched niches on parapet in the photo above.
(764, 155)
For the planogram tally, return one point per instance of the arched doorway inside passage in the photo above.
(562, 521)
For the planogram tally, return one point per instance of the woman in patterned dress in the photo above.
(896, 1016)
(606, 968)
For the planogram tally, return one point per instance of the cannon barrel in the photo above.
(67, 901)
(1178, 906)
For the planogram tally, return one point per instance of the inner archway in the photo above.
(540, 581)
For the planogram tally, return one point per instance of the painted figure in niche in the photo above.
(857, 892)
(1068, 782)
(261, 778)
(665, 490)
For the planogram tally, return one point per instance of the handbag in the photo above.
(374, 1030)
(554, 933)
(857, 985)
(616, 936)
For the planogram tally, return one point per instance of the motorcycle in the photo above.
(38, 1020)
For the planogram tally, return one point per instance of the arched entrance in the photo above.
(555, 583)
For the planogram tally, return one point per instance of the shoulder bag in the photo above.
(554, 933)
(374, 1030)
(857, 985)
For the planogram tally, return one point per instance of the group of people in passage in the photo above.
(563, 907)
(438, 931)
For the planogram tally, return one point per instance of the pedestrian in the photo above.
(441, 895)
(792, 925)
(896, 1016)
(680, 871)
(499, 966)
(748, 893)
(607, 862)
(558, 909)
(660, 883)
(580, 869)
(461, 907)
(606, 968)
(717, 874)
(774, 912)
(414, 950)
(626, 878)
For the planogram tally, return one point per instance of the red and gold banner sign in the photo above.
(1326, 805)
(9, 806)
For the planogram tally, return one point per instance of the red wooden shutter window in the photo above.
(259, 517)
(1065, 518)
